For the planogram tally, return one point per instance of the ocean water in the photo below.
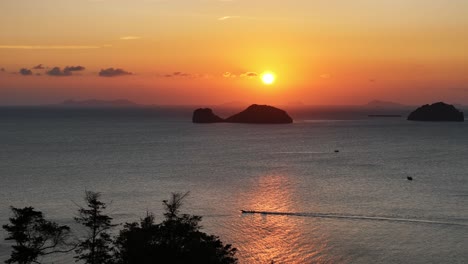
(354, 206)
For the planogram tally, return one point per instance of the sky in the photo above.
(195, 52)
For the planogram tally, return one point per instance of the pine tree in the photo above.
(96, 247)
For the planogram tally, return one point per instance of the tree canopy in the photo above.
(178, 239)
(34, 236)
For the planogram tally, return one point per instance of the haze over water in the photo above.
(355, 206)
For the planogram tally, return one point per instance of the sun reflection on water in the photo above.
(276, 238)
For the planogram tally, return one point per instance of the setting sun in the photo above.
(287, 127)
(268, 78)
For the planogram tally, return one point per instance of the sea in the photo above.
(328, 188)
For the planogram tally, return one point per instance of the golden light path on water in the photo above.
(278, 239)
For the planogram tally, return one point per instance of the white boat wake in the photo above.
(355, 217)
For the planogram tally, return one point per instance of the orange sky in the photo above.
(200, 51)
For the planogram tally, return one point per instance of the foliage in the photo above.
(177, 239)
(96, 247)
(34, 236)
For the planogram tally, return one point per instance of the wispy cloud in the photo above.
(184, 75)
(39, 67)
(227, 17)
(228, 75)
(249, 75)
(41, 47)
(178, 74)
(130, 38)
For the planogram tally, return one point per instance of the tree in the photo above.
(136, 242)
(96, 247)
(177, 239)
(34, 236)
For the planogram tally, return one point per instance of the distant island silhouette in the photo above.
(99, 103)
(384, 115)
(384, 104)
(254, 114)
(437, 112)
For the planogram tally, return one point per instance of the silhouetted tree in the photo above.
(34, 236)
(96, 247)
(177, 240)
(135, 242)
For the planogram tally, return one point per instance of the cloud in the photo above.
(56, 71)
(111, 72)
(185, 75)
(229, 75)
(25, 72)
(38, 67)
(178, 74)
(129, 38)
(67, 71)
(74, 68)
(249, 74)
(41, 47)
(227, 17)
(181, 75)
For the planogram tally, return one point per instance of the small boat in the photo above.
(409, 178)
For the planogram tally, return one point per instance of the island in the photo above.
(205, 115)
(261, 114)
(437, 112)
(94, 103)
(254, 114)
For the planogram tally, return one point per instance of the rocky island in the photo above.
(437, 112)
(254, 114)
(205, 115)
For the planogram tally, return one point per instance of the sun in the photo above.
(268, 78)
